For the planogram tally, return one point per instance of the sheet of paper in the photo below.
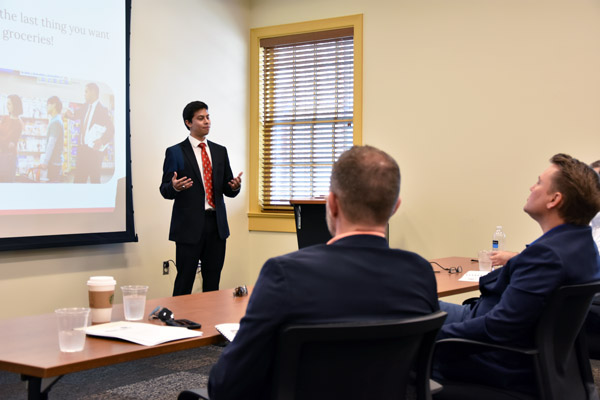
(473, 276)
(94, 133)
(141, 333)
(228, 330)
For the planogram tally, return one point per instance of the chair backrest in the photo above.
(592, 329)
(563, 364)
(357, 360)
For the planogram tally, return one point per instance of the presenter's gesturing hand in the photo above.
(182, 183)
(236, 182)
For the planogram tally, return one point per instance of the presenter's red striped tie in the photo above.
(207, 173)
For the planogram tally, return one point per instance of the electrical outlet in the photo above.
(165, 268)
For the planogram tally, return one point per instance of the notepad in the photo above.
(228, 330)
(141, 333)
(473, 276)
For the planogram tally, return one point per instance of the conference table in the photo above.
(450, 284)
(29, 345)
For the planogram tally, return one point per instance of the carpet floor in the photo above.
(161, 377)
(157, 378)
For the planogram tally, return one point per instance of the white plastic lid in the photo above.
(101, 281)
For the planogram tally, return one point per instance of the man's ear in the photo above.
(397, 206)
(332, 202)
(554, 201)
(188, 123)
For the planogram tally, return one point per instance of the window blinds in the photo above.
(306, 113)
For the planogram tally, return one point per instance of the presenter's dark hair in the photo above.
(191, 109)
(366, 181)
(57, 103)
(580, 187)
(17, 104)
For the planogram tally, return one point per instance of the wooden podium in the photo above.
(311, 226)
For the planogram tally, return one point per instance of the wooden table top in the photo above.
(29, 345)
(449, 284)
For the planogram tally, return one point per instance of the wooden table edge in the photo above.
(143, 352)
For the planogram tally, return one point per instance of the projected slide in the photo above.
(63, 117)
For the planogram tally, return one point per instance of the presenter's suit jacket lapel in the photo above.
(218, 173)
(190, 159)
(221, 175)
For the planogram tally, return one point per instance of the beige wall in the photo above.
(471, 97)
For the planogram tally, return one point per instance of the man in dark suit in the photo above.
(96, 132)
(355, 276)
(563, 201)
(196, 174)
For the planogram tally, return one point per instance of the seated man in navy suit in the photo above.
(563, 201)
(355, 276)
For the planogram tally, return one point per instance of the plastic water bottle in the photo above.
(499, 239)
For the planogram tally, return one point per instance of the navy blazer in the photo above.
(512, 299)
(187, 217)
(355, 278)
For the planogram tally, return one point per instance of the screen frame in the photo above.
(84, 239)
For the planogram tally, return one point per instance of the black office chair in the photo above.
(592, 325)
(357, 360)
(561, 364)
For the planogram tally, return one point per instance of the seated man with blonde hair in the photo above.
(354, 277)
(564, 199)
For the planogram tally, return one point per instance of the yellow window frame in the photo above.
(259, 220)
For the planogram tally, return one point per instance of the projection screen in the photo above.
(65, 176)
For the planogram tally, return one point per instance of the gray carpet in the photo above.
(161, 377)
(156, 378)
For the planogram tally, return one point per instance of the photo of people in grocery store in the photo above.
(55, 129)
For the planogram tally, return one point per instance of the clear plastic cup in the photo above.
(134, 301)
(71, 328)
(485, 262)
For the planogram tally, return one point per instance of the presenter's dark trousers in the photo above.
(210, 252)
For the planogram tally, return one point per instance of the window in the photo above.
(305, 111)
